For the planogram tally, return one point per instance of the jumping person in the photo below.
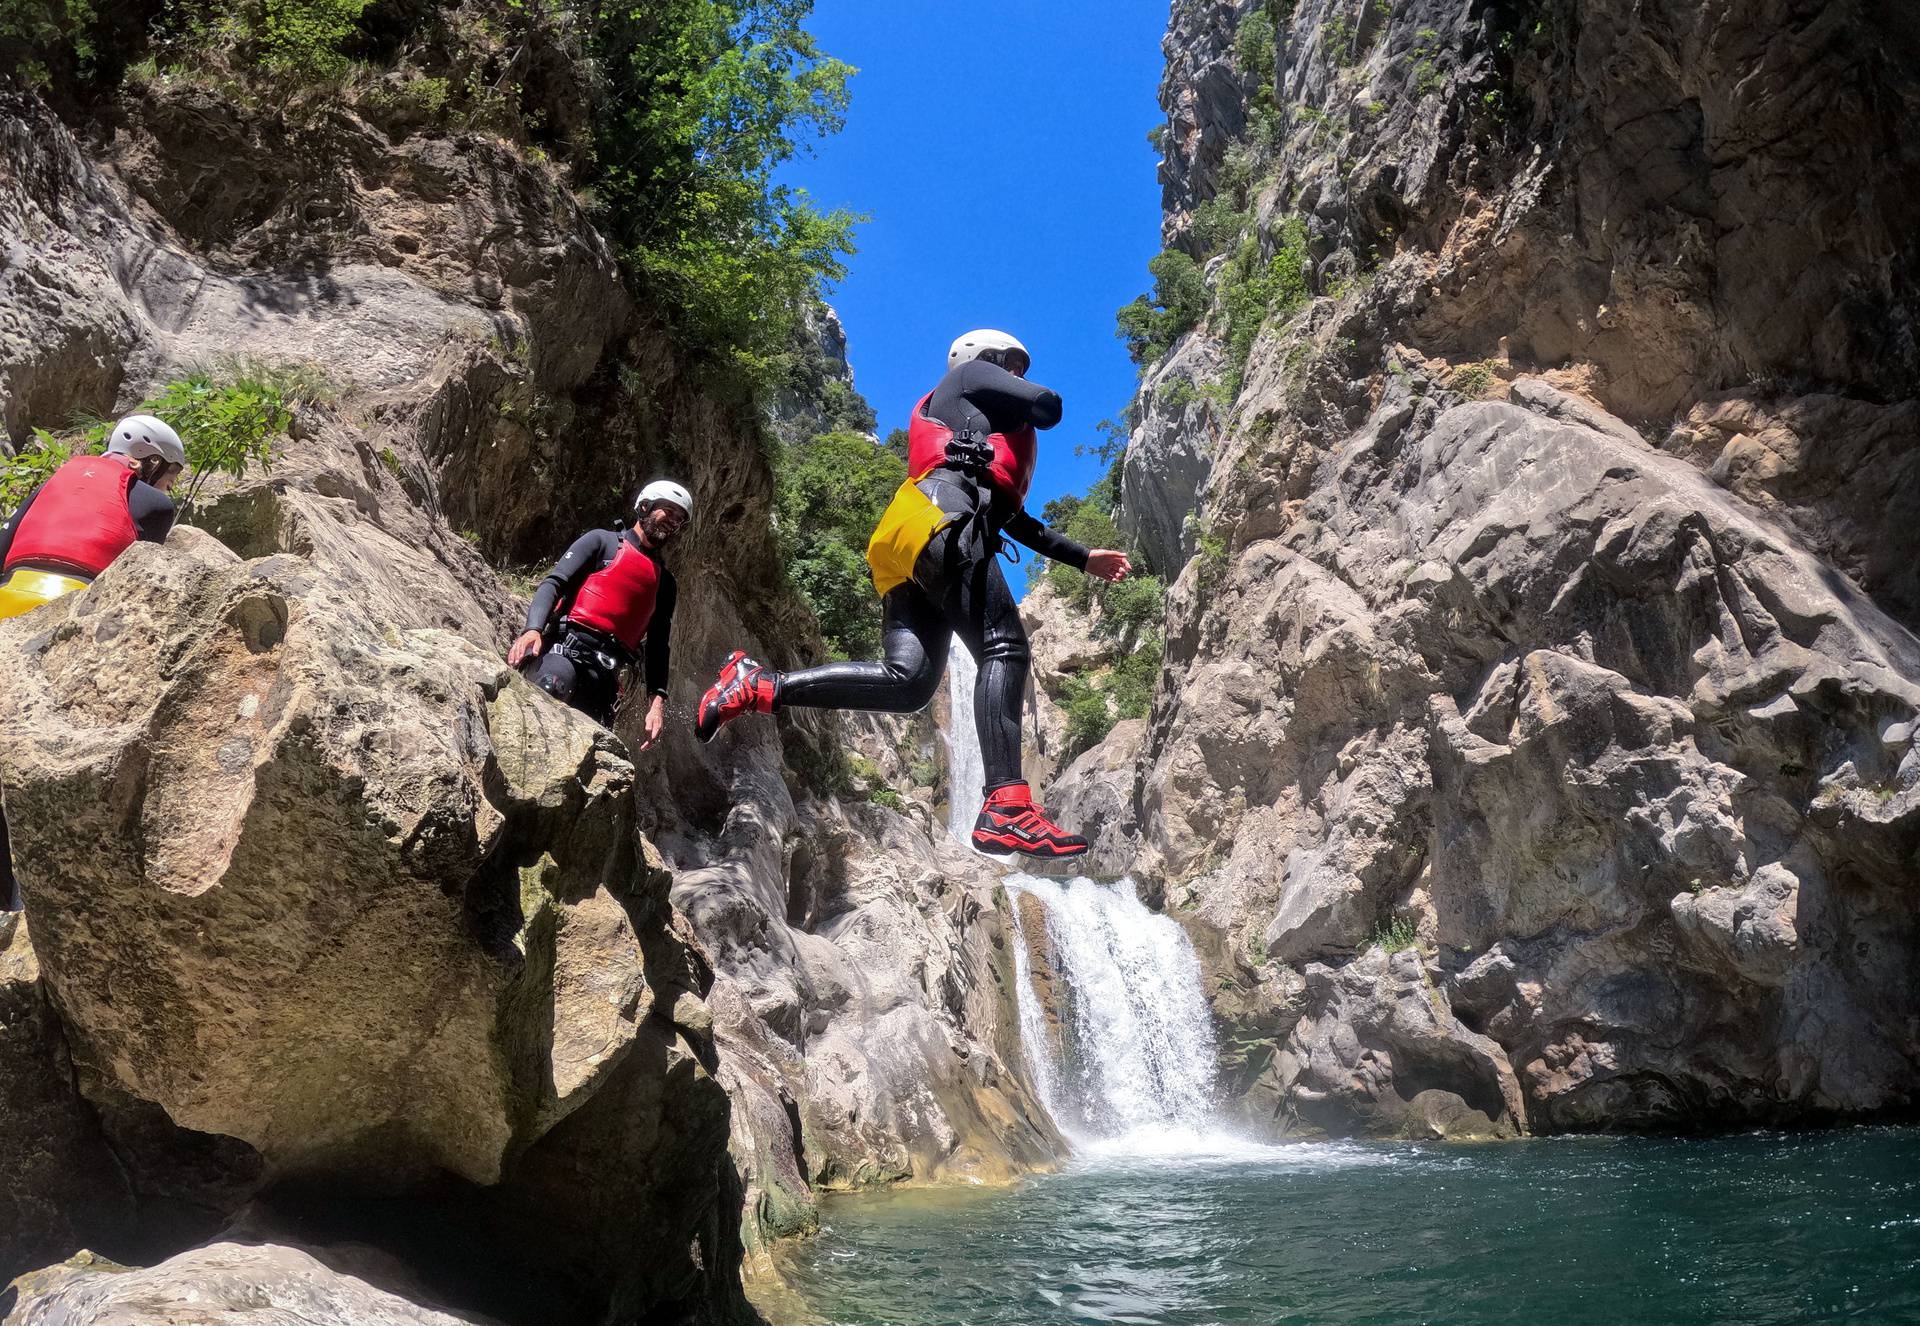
(970, 456)
(617, 593)
(94, 508)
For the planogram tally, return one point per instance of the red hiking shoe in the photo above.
(1011, 822)
(743, 687)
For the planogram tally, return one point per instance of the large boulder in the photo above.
(359, 899)
(1380, 1052)
(223, 1284)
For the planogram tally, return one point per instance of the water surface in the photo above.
(1752, 1229)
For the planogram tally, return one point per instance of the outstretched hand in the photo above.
(656, 720)
(1109, 565)
(526, 646)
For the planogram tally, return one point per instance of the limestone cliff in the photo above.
(1535, 748)
(332, 921)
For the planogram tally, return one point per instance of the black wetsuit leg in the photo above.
(591, 690)
(913, 635)
(958, 591)
(981, 608)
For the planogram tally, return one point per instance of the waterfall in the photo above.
(966, 770)
(1131, 1064)
(1136, 1050)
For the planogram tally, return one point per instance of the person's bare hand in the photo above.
(524, 647)
(1109, 564)
(656, 720)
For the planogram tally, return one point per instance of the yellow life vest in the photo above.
(909, 523)
(24, 590)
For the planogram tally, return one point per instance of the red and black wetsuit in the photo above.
(957, 586)
(620, 599)
(83, 517)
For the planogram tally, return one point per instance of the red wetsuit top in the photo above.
(78, 521)
(1011, 471)
(618, 599)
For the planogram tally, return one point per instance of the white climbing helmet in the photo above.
(979, 342)
(664, 490)
(141, 435)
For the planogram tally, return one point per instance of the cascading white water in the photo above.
(966, 770)
(1134, 1056)
(1035, 1043)
(1136, 1050)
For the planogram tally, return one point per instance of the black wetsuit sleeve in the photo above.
(659, 644)
(1007, 401)
(1023, 528)
(13, 523)
(152, 511)
(589, 553)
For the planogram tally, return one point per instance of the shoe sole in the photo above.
(1044, 852)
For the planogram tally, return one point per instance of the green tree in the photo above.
(831, 492)
(1089, 717)
(703, 101)
(1252, 290)
(1150, 326)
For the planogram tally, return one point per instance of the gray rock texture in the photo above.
(373, 926)
(391, 924)
(223, 1284)
(1557, 635)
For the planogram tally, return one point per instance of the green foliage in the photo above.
(1179, 393)
(1254, 47)
(1216, 224)
(1476, 380)
(1213, 559)
(1135, 675)
(924, 772)
(1427, 74)
(1129, 607)
(886, 796)
(1395, 935)
(227, 427)
(21, 474)
(1251, 290)
(1157, 138)
(290, 44)
(1089, 717)
(830, 493)
(226, 424)
(408, 101)
(1090, 524)
(1221, 391)
(1150, 325)
(38, 37)
(1342, 40)
(703, 102)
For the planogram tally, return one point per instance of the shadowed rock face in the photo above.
(1559, 633)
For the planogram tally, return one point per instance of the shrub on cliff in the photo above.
(227, 424)
(1150, 325)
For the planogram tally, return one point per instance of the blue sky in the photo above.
(1001, 151)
